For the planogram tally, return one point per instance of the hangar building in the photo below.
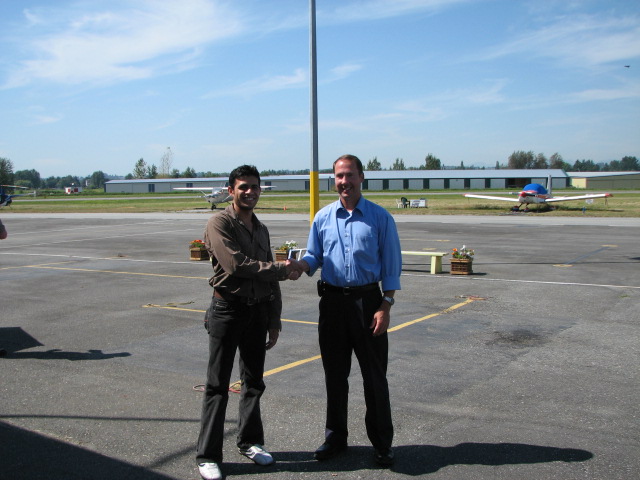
(374, 181)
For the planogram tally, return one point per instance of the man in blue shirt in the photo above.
(356, 243)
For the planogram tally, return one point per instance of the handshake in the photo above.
(295, 268)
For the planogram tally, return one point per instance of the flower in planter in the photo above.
(464, 252)
(288, 245)
(199, 244)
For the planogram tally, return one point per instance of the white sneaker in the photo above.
(258, 454)
(210, 471)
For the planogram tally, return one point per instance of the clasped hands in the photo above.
(295, 268)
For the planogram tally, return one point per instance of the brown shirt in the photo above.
(242, 261)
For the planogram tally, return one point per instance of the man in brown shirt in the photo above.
(245, 311)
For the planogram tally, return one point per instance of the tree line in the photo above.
(517, 160)
(31, 178)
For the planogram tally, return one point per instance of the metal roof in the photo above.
(600, 174)
(382, 175)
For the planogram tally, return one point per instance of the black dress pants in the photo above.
(233, 326)
(344, 328)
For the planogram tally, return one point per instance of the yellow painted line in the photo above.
(116, 272)
(446, 310)
(169, 307)
(397, 327)
(563, 265)
(291, 365)
(36, 266)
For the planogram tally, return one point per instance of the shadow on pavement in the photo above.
(418, 459)
(28, 455)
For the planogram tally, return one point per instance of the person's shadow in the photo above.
(57, 354)
(14, 339)
(417, 460)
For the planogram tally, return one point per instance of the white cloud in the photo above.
(344, 70)
(146, 38)
(580, 40)
(298, 79)
(378, 9)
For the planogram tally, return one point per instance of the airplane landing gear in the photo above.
(213, 206)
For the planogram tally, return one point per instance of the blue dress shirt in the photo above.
(355, 248)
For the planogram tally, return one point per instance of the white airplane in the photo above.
(536, 193)
(216, 195)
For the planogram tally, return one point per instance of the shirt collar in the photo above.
(361, 206)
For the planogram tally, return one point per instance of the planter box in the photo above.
(281, 255)
(199, 254)
(461, 266)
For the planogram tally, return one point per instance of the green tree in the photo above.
(398, 164)
(540, 161)
(556, 161)
(68, 181)
(431, 162)
(521, 159)
(629, 163)
(6, 171)
(50, 182)
(189, 173)
(585, 166)
(175, 173)
(152, 171)
(97, 179)
(27, 178)
(140, 169)
(374, 165)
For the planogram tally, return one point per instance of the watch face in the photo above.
(390, 300)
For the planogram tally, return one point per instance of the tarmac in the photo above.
(526, 369)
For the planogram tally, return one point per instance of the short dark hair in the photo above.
(351, 158)
(243, 171)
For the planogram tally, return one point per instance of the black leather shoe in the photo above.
(384, 457)
(328, 450)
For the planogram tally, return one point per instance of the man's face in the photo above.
(348, 181)
(246, 192)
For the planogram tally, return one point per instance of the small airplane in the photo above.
(216, 195)
(539, 195)
(6, 199)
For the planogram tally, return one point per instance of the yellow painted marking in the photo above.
(610, 246)
(116, 272)
(169, 307)
(291, 365)
(447, 310)
(563, 265)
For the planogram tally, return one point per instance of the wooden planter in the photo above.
(281, 255)
(461, 266)
(199, 254)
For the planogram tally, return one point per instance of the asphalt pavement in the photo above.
(527, 369)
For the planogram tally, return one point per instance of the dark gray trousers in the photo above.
(233, 326)
(343, 330)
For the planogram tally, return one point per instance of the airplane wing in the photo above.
(489, 197)
(579, 197)
(197, 189)
(267, 187)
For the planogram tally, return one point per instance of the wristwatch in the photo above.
(390, 300)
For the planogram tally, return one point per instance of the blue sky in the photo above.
(95, 85)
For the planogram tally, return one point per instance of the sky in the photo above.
(95, 85)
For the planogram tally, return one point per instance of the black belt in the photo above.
(228, 297)
(327, 287)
